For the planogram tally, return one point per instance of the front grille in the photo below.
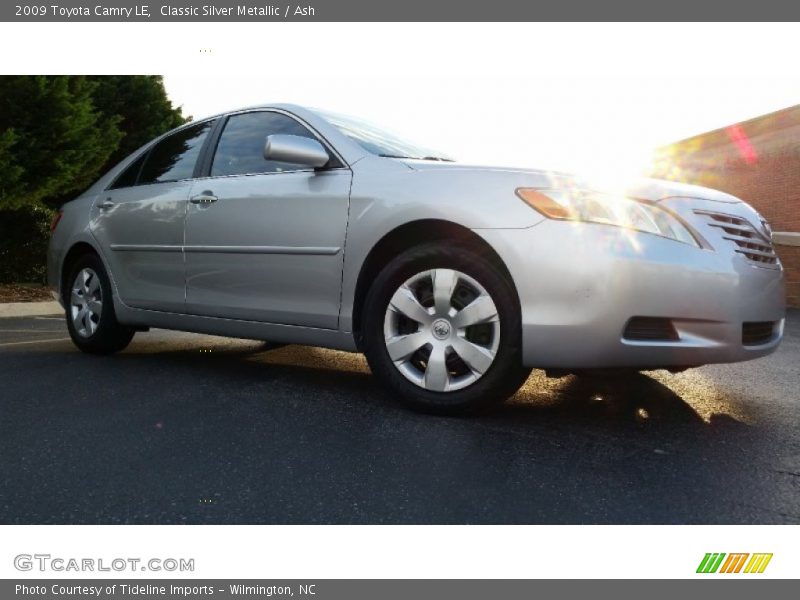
(650, 329)
(757, 332)
(751, 243)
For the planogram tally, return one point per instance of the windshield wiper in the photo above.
(394, 156)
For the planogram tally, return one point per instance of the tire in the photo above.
(89, 309)
(457, 368)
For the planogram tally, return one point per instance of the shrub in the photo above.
(23, 244)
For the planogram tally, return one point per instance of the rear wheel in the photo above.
(442, 330)
(91, 320)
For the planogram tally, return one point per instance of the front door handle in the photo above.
(107, 204)
(204, 198)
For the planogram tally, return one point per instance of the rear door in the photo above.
(265, 239)
(139, 221)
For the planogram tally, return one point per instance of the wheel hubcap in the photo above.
(86, 302)
(442, 330)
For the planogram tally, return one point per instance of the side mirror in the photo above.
(296, 149)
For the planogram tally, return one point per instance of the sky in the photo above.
(591, 99)
(578, 124)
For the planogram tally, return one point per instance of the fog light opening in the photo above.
(650, 329)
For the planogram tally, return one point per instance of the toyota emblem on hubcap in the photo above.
(441, 329)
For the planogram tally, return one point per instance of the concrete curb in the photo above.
(786, 238)
(30, 309)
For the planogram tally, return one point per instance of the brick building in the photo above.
(758, 161)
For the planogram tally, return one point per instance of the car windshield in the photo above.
(377, 141)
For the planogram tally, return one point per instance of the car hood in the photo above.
(644, 188)
(659, 189)
(431, 165)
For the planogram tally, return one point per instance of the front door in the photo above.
(264, 239)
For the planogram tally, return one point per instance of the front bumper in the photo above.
(580, 283)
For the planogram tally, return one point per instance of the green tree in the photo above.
(57, 135)
(141, 104)
(52, 138)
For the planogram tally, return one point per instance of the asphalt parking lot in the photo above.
(183, 428)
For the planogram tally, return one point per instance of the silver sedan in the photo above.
(300, 226)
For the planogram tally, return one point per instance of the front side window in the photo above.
(240, 150)
(174, 157)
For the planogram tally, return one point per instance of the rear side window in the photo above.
(174, 157)
(129, 176)
(240, 149)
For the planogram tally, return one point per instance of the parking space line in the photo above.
(3, 345)
(29, 331)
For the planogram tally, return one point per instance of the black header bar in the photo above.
(405, 11)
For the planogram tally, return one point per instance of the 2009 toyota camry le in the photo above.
(292, 225)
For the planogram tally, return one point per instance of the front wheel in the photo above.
(442, 330)
(91, 320)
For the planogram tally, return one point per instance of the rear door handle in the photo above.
(107, 204)
(204, 198)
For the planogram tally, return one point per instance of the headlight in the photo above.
(596, 207)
